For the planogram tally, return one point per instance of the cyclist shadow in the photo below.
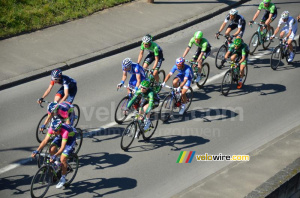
(14, 183)
(95, 186)
(174, 141)
(114, 132)
(103, 160)
(262, 88)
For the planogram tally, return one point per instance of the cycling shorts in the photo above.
(70, 146)
(205, 54)
(266, 16)
(286, 31)
(150, 58)
(71, 96)
(181, 79)
(234, 26)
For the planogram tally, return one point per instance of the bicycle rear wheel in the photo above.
(79, 140)
(254, 42)
(40, 135)
(294, 44)
(120, 114)
(227, 83)
(276, 57)
(245, 73)
(266, 40)
(189, 95)
(204, 75)
(41, 182)
(128, 135)
(72, 168)
(76, 115)
(220, 56)
(154, 117)
(166, 108)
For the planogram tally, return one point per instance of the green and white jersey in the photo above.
(204, 44)
(153, 48)
(272, 8)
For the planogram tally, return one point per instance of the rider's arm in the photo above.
(224, 24)
(155, 62)
(230, 50)
(151, 102)
(138, 80)
(43, 144)
(256, 15)
(48, 90)
(192, 40)
(186, 51)
(141, 54)
(48, 119)
(130, 103)
(170, 73)
(124, 76)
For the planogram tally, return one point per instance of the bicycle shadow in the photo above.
(103, 160)
(13, 183)
(114, 132)
(175, 142)
(96, 186)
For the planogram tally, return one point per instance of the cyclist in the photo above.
(63, 111)
(182, 81)
(237, 21)
(269, 15)
(68, 90)
(238, 49)
(290, 30)
(149, 100)
(137, 74)
(65, 140)
(202, 52)
(155, 54)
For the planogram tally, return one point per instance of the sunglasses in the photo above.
(144, 87)
(55, 79)
(146, 43)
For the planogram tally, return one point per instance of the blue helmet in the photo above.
(56, 73)
(56, 124)
(52, 106)
(126, 63)
(180, 61)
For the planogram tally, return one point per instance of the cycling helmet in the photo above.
(238, 42)
(56, 124)
(233, 12)
(145, 83)
(198, 35)
(126, 63)
(56, 73)
(52, 106)
(180, 61)
(147, 38)
(267, 1)
(285, 15)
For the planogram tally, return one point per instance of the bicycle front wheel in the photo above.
(166, 109)
(154, 117)
(76, 115)
(227, 83)
(204, 75)
(161, 75)
(40, 135)
(79, 140)
(128, 135)
(266, 40)
(41, 182)
(72, 168)
(254, 42)
(276, 57)
(220, 56)
(120, 114)
(294, 44)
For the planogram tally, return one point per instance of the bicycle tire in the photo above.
(245, 73)
(127, 133)
(255, 41)
(220, 56)
(77, 115)
(154, 117)
(162, 76)
(225, 87)
(204, 75)
(276, 54)
(45, 171)
(189, 96)
(122, 104)
(79, 140)
(294, 44)
(168, 103)
(72, 161)
(267, 38)
(40, 135)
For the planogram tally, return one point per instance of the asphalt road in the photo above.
(264, 109)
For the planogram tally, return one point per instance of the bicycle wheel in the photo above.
(120, 115)
(266, 40)
(41, 182)
(154, 117)
(72, 168)
(245, 73)
(189, 95)
(128, 135)
(166, 108)
(227, 83)
(76, 115)
(204, 75)
(79, 140)
(294, 44)
(161, 75)
(276, 57)
(220, 56)
(40, 135)
(254, 42)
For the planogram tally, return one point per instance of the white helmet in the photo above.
(126, 63)
(233, 12)
(285, 15)
(147, 38)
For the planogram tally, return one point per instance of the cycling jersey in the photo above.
(238, 20)
(290, 24)
(271, 9)
(204, 44)
(185, 73)
(67, 83)
(243, 50)
(66, 131)
(153, 48)
(135, 69)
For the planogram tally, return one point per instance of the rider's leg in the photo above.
(233, 57)
(155, 74)
(242, 68)
(227, 32)
(183, 95)
(176, 82)
(145, 109)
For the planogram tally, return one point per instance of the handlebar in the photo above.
(192, 62)
(259, 24)
(42, 103)
(128, 87)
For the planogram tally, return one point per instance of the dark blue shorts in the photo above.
(69, 146)
(72, 93)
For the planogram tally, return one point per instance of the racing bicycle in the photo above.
(161, 75)
(204, 72)
(222, 51)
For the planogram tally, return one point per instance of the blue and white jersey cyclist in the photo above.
(68, 90)
(182, 81)
(137, 74)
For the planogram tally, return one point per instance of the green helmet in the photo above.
(267, 1)
(198, 35)
(238, 42)
(145, 83)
